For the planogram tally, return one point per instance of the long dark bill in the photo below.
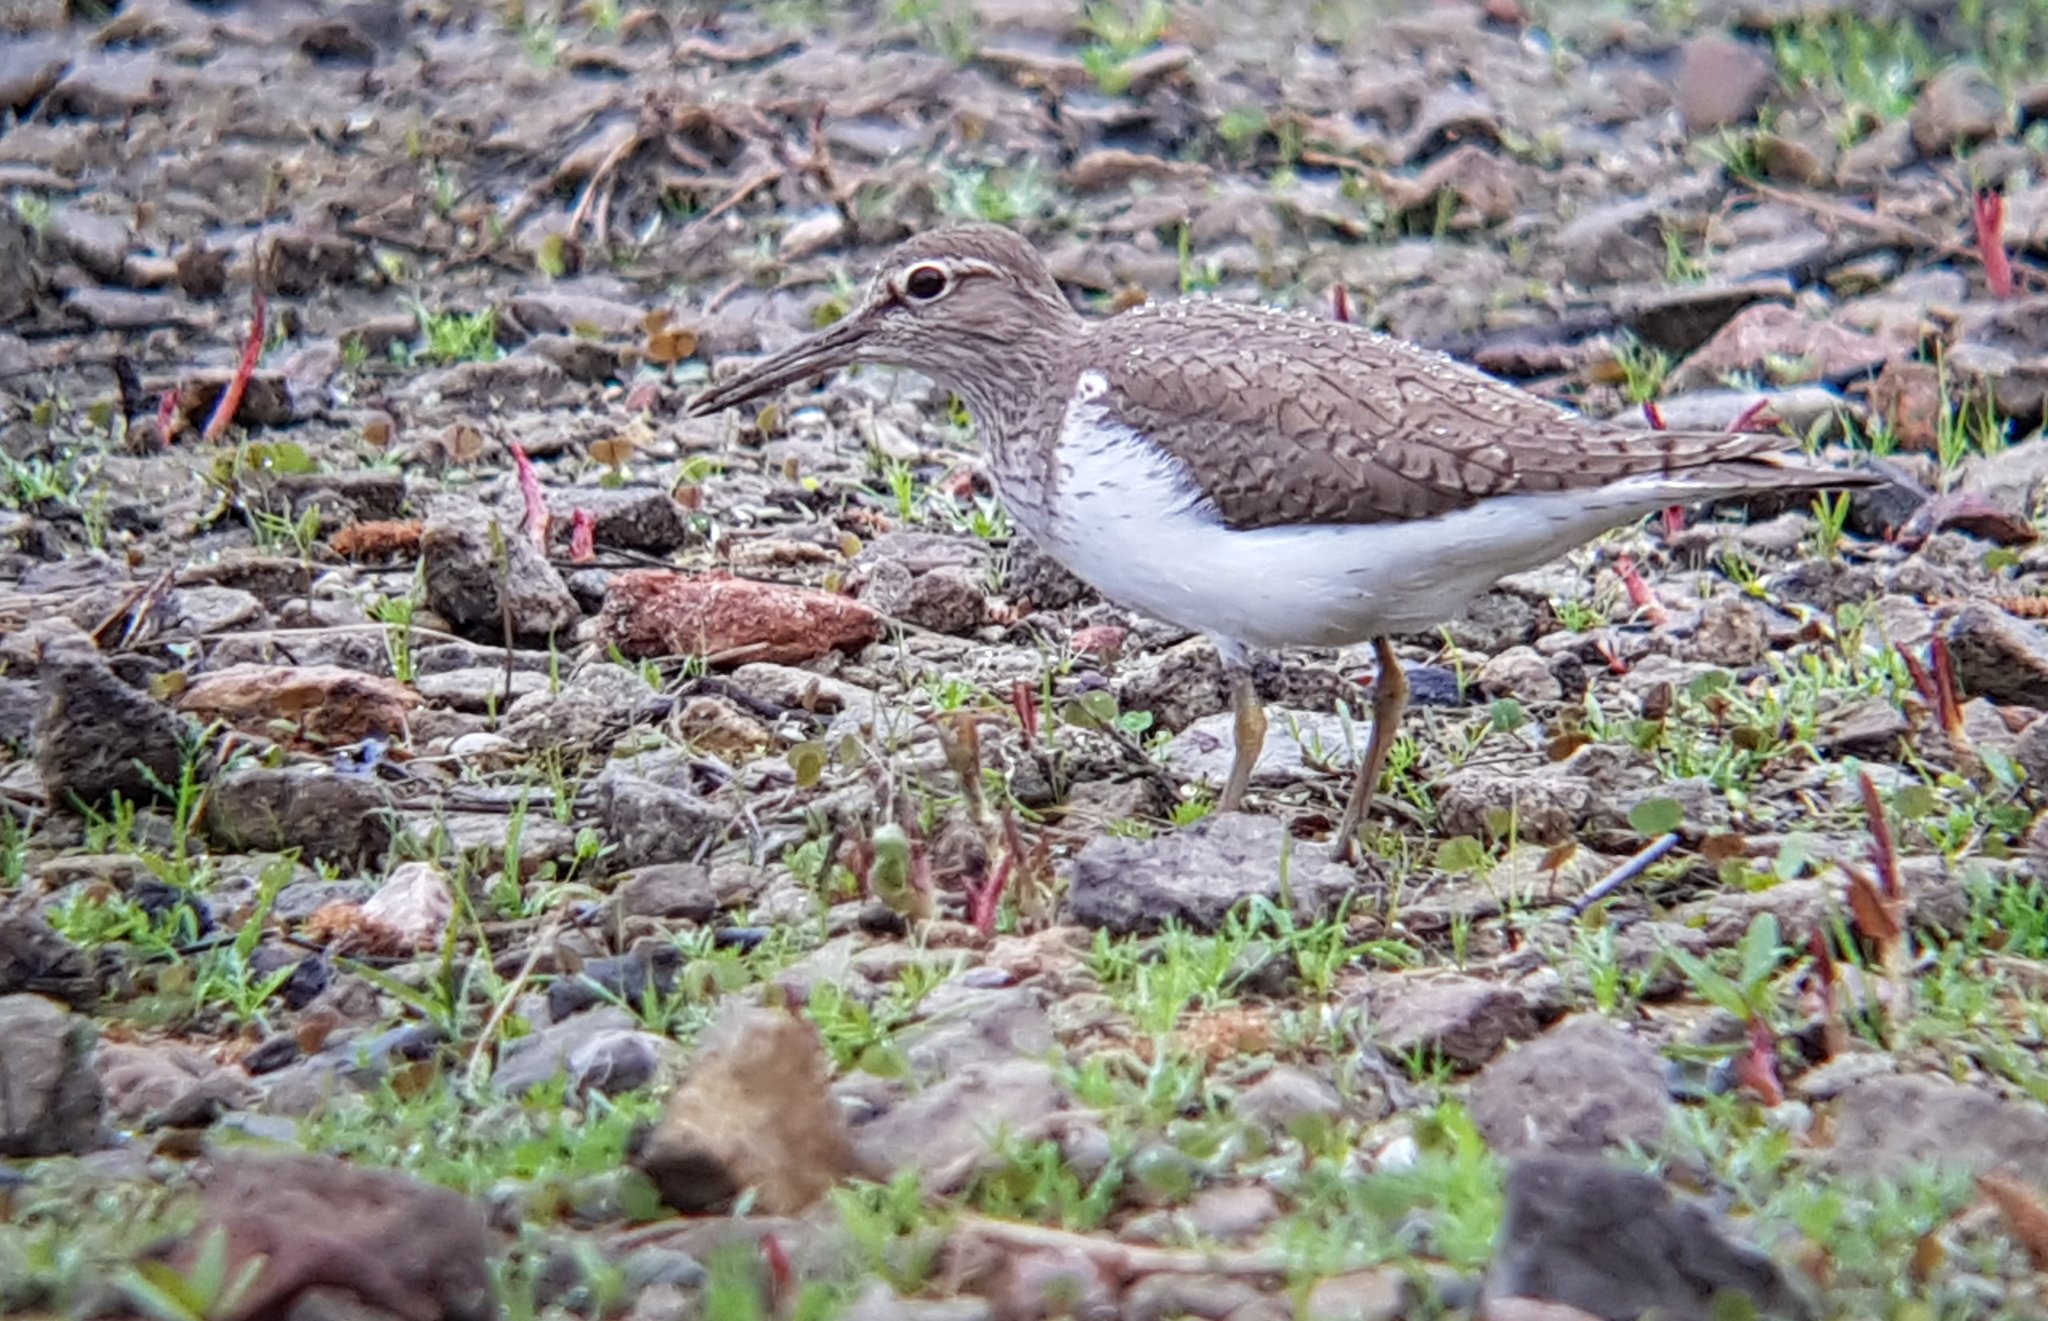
(829, 349)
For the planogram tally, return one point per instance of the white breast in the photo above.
(1126, 517)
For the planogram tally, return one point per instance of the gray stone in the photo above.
(649, 822)
(1618, 1245)
(1720, 81)
(1999, 657)
(34, 958)
(687, 890)
(950, 1123)
(1959, 107)
(481, 570)
(479, 689)
(1521, 673)
(1731, 632)
(326, 816)
(644, 518)
(1461, 1019)
(1579, 1087)
(1196, 876)
(98, 737)
(962, 1025)
(1285, 1097)
(1534, 809)
(1202, 752)
(1886, 1127)
(603, 1050)
(50, 1101)
(947, 599)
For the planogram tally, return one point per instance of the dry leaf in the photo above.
(2024, 1214)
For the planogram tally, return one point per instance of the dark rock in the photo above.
(627, 517)
(649, 968)
(1198, 875)
(1618, 1245)
(1037, 577)
(351, 496)
(1579, 1087)
(481, 583)
(1460, 1019)
(948, 599)
(401, 1247)
(604, 1051)
(98, 737)
(1999, 657)
(50, 1099)
(687, 890)
(1680, 320)
(333, 818)
(35, 959)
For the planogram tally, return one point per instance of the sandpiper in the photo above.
(1268, 478)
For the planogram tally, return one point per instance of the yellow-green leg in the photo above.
(1390, 699)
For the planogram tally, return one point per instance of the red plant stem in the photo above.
(252, 351)
(583, 537)
(1753, 418)
(537, 518)
(1653, 414)
(1758, 1066)
(167, 415)
(1884, 853)
(1340, 303)
(1948, 690)
(1640, 595)
(1989, 217)
(1024, 698)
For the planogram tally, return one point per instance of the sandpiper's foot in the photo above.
(1390, 699)
(1250, 726)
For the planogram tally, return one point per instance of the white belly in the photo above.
(1124, 517)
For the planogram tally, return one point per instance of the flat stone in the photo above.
(1202, 753)
(1886, 1127)
(1720, 81)
(327, 816)
(949, 1123)
(1618, 1244)
(1582, 1086)
(1198, 875)
(604, 1050)
(643, 518)
(649, 822)
(1488, 804)
(1461, 1019)
(50, 1099)
(478, 582)
(1999, 657)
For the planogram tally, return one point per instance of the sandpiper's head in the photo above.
(957, 304)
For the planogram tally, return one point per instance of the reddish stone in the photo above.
(730, 621)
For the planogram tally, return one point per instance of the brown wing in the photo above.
(1287, 419)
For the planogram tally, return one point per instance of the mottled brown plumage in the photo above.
(1266, 477)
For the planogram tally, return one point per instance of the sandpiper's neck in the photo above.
(1018, 395)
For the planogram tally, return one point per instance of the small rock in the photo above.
(1374, 1295)
(50, 1099)
(99, 243)
(1203, 751)
(948, 599)
(687, 890)
(477, 581)
(963, 1025)
(604, 1051)
(1490, 804)
(154, 1085)
(1522, 673)
(1871, 729)
(1579, 1087)
(403, 1248)
(948, 1125)
(326, 703)
(1731, 632)
(98, 737)
(640, 518)
(1999, 657)
(649, 822)
(753, 1113)
(1042, 1284)
(1561, 1241)
(1720, 81)
(586, 712)
(1198, 875)
(1959, 107)
(1285, 1097)
(1767, 333)
(479, 688)
(1461, 1019)
(652, 612)
(649, 968)
(328, 817)
(35, 959)
(1887, 1126)
(1175, 1297)
(415, 904)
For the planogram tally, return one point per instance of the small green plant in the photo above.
(451, 337)
(206, 1293)
(1643, 369)
(396, 613)
(1001, 196)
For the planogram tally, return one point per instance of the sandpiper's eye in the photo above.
(924, 283)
